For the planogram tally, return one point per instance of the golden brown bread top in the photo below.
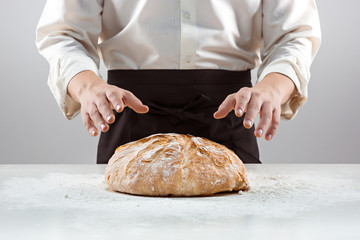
(175, 164)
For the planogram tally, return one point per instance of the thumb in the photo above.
(134, 103)
(225, 107)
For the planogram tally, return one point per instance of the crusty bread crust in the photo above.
(177, 165)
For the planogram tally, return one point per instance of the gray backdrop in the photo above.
(33, 129)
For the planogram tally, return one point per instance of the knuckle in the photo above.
(254, 106)
(113, 94)
(92, 112)
(275, 124)
(273, 131)
(267, 102)
(245, 89)
(267, 116)
(98, 94)
(87, 122)
(256, 94)
(103, 104)
(242, 96)
(98, 123)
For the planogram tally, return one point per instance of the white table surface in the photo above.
(286, 201)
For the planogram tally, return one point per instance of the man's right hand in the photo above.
(98, 99)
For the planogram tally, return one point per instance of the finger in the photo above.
(115, 98)
(225, 107)
(134, 103)
(265, 119)
(105, 110)
(270, 133)
(89, 124)
(98, 119)
(242, 100)
(252, 110)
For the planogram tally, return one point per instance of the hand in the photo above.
(98, 99)
(265, 99)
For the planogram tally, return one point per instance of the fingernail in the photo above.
(108, 117)
(248, 123)
(259, 132)
(118, 107)
(269, 136)
(93, 132)
(240, 112)
(102, 126)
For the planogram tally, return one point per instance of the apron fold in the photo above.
(177, 115)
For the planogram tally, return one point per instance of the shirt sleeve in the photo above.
(291, 38)
(67, 36)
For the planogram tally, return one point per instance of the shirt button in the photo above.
(186, 15)
(188, 59)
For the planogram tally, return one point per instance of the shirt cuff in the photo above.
(286, 67)
(60, 75)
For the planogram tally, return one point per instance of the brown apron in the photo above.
(180, 101)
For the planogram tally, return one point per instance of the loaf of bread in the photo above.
(175, 165)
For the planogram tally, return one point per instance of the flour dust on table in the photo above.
(271, 194)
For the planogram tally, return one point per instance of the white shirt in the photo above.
(275, 35)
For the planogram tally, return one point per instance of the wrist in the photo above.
(280, 85)
(81, 83)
